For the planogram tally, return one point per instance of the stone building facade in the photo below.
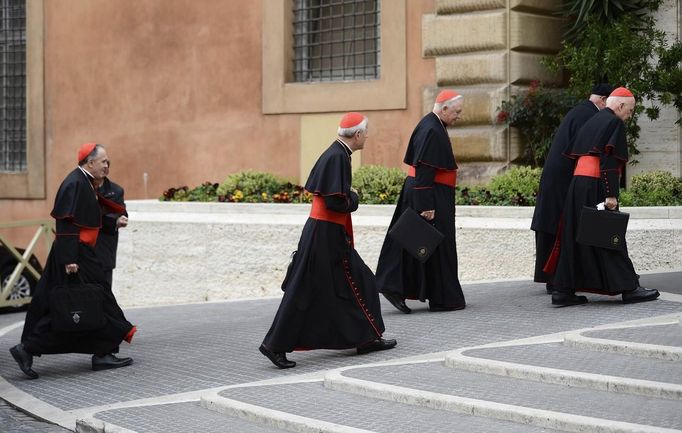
(185, 92)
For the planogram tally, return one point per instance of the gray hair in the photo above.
(92, 155)
(349, 132)
(438, 106)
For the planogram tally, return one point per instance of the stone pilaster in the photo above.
(486, 49)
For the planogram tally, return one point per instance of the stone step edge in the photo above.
(646, 388)
(665, 353)
(335, 380)
(94, 425)
(272, 418)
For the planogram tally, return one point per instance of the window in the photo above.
(336, 40)
(22, 111)
(12, 86)
(323, 56)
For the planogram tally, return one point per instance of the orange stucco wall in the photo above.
(173, 89)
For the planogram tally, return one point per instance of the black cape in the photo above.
(397, 271)
(581, 267)
(76, 206)
(107, 241)
(330, 299)
(556, 176)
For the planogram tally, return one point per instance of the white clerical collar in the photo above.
(347, 146)
(87, 173)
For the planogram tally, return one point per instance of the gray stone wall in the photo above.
(660, 141)
(194, 252)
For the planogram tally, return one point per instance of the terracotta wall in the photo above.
(173, 89)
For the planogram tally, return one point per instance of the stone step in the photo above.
(169, 418)
(544, 405)
(311, 407)
(655, 341)
(559, 363)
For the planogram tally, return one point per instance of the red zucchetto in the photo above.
(446, 95)
(351, 119)
(85, 150)
(622, 92)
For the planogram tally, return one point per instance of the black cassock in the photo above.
(556, 176)
(330, 299)
(430, 153)
(107, 241)
(76, 208)
(584, 268)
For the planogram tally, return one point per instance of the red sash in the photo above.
(88, 235)
(444, 177)
(587, 166)
(319, 211)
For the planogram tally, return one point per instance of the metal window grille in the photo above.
(336, 40)
(12, 85)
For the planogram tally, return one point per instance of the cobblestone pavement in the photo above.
(191, 348)
(15, 421)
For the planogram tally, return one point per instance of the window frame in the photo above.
(30, 184)
(281, 95)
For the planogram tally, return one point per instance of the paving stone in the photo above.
(561, 356)
(179, 418)
(435, 377)
(15, 421)
(192, 347)
(313, 400)
(663, 335)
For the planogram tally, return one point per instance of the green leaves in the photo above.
(605, 11)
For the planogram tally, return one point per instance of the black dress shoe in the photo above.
(567, 299)
(550, 288)
(109, 361)
(277, 358)
(397, 302)
(641, 294)
(24, 359)
(376, 345)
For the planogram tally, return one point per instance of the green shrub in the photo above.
(378, 185)
(655, 188)
(204, 192)
(517, 186)
(250, 183)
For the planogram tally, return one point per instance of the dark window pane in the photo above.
(336, 40)
(12, 85)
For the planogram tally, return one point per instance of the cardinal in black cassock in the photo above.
(78, 220)
(113, 208)
(330, 299)
(429, 189)
(557, 173)
(601, 152)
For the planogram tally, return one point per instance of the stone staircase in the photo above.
(610, 380)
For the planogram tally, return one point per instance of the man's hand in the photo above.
(72, 268)
(122, 221)
(611, 203)
(429, 214)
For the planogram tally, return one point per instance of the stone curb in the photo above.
(458, 360)
(92, 425)
(519, 414)
(272, 418)
(666, 353)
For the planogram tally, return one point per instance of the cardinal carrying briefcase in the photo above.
(602, 228)
(416, 235)
(77, 306)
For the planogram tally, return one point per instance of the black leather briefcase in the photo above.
(77, 306)
(602, 228)
(416, 235)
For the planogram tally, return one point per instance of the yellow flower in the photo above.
(238, 195)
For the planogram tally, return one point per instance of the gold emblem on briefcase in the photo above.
(422, 251)
(76, 317)
(615, 240)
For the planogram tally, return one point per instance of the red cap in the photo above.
(623, 92)
(446, 95)
(85, 150)
(351, 119)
